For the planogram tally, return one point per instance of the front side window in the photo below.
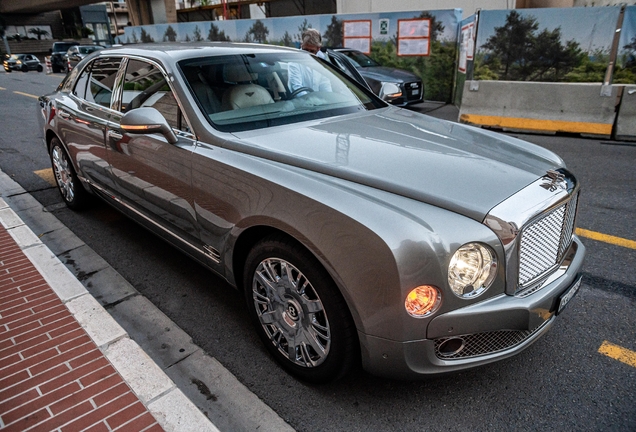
(253, 91)
(146, 86)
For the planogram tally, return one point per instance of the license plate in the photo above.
(567, 296)
(415, 92)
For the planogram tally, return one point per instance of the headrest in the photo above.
(238, 73)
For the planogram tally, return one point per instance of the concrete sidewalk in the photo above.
(65, 364)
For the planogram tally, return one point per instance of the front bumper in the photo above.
(517, 321)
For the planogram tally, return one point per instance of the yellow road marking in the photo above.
(26, 94)
(618, 241)
(47, 175)
(537, 124)
(618, 353)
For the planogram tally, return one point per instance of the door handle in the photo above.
(114, 135)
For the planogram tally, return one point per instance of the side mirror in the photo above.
(145, 121)
(389, 91)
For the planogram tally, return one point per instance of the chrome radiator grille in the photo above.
(544, 242)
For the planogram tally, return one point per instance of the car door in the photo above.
(29, 61)
(82, 118)
(343, 63)
(153, 176)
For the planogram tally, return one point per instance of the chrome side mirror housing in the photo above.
(390, 91)
(147, 120)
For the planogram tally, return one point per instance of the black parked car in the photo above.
(58, 55)
(22, 62)
(410, 86)
(76, 54)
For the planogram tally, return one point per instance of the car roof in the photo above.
(182, 50)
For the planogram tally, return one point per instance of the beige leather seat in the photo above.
(244, 94)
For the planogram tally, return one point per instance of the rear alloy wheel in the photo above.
(298, 311)
(68, 184)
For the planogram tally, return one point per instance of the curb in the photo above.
(168, 405)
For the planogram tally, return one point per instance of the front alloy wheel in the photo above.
(291, 312)
(298, 311)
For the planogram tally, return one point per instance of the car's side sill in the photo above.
(207, 251)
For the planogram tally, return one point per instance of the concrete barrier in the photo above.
(626, 120)
(540, 107)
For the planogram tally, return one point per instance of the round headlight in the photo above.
(472, 270)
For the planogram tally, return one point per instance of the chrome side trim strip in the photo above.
(216, 259)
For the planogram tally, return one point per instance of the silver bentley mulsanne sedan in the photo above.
(360, 233)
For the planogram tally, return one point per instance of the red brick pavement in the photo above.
(52, 376)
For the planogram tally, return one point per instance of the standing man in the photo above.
(312, 41)
(303, 76)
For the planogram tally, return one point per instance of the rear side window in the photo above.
(99, 81)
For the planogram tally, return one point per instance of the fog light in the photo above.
(423, 301)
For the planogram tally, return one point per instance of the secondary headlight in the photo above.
(472, 270)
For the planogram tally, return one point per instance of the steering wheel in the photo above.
(300, 90)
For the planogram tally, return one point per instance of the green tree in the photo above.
(145, 37)
(301, 29)
(215, 35)
(197, 34)
(549, 60)
(38, 32)
(258, 32)
(287, 40)
(512, 41)
(333, 35)
(517, 52)
(436, 27)
(170, 35)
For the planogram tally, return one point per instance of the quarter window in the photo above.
(101, 80)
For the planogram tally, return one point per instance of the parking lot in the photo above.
(580, 376)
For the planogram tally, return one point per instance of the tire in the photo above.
(55, 69)
(303, 322)
(70, 187)
(24, 68)
(40, 68)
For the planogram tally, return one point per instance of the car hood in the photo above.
(449, 165)
(381, 73)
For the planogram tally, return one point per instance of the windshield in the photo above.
(253, 91)
(61, 46)
(359, 59)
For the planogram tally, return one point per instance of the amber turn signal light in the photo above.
(423, 301)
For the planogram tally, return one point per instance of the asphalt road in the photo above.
(562, 382)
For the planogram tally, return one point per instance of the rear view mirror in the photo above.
(147, 120)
